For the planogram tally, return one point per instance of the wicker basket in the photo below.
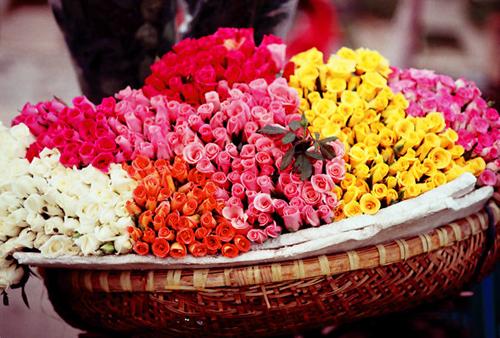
(284, 297)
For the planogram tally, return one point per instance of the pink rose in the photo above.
(234, 177)
(273, 230)
(263, 157)
(163, 150)
(146, 149)
(234, 202)
(220, 179)
(238, 190)
(205, 132)
(249, 180)
(87, 152)
(258, 86)
(249, 129)
(237, 217)
(236, 165)
(310, 216)
(291, 190)
(297, 202)
(318, 167)
(238, 108)
(211, 150)
(205, 111)
(264, 143)
(487, 177)
(280, 91)
(221, 194)
(283, 180)
(267, 170)
(309, 194)
(221, 137)
(205, 166)
(265, 184)
(102, 161)
(195, 122)
(336, 169)
(105, 144)
(322, 183)
(263, 202)
(250, 196)
(278, 53)
(193, 152)
(291, 218)
(232, 150)
(330, 200)
(133, 122)
(234, 125)
(213, 98)
(492, 115)
(257, 236)
(247, 151)
(325, 213)
(249, 164)
(279, 205)
(264, 218)
(223, 161)
(480, 125)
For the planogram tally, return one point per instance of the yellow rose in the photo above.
(353, 83)
(344, 110)
(435, 121)
(440, 157)
(371, 116)
(411, 191)
(374, 79)
(357, 116)
(294, 82)
(347, 53)
(379, 190)
(399, 101)
(324, 107)
(454, 172)
(438, 179)
(351, 99)
(361, 130)
(429, 167)
(391, 182)
(456, 151)
(362, 185)
(338, 214)
(357, 154)
(304, 105)
(339, 67)
(361, 171)
(336, 84)
(330, 130)
(352, 209)
(338, 192)
(307, 75)
(387, 137)
(369, 60)
(392, 196)
(417, 170)
(366, 91)
(338, 119)
(319, 122)
(348, 181)
(311, 56)
(309, 115)
(476, 165)
(330, 96)
(351, 194)
(405, 178)
(313, 97)
(369, 204)
(378, 172)
(379, 103)
(388, 155)
(403, 128)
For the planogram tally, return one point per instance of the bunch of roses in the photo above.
(58, 210)
(464, 110)
(390, 156)
(221, 139)
(81, 133)
(177, 211)
(214, 63)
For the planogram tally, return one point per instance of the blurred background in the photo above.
(460, 38)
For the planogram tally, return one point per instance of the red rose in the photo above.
(160, 247)
(141, 248)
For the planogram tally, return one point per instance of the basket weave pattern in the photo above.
(282, 297)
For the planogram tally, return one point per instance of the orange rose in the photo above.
(179, 169)
(166, 233)
(229, 250)
(178, 201)
(162, 165)
(225, 231)
(133, 208)
(197, 194)
(148, 235)
(198, 249)
(145, 218)
(207, 220)
(135, 233)
(177, 250)
(163, 209)
(190, 207)
(213, 242)
(184, 189)
(160, 247)
(151, 203)
(210, 189)
(158, 222)
(164, 194)
(196, 177)
(141, 248)
(143, 165)
(140, 195)
(167, 181)
(201, 233)
(242, 243)
(152, 185)
(185, 236)
(173, 219)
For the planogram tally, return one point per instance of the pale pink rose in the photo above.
(234, 202)
(318, 167)
(280, 91)
(211, 150)
(247, 151)
(173, 110)
(264, 143)
(163, 151)
(133, 122)
(264, 218)
(263, 157)
(325, 213)
(338, 147)
(238, 190)
(237, 217)
(249, 164)
(234, 177)
(273, 230)
(291, 218)
(217, 120)
(253, 138)
(232, 150)
(310, 216)
(267, 170)
(220, 179)
(330, 200)
(336, 169)
(487, 177)
(249, 180)
(193, 153)
(291, 190)
(265, 184)
(322, 183)
(257, 236)
(238, 108)
(278, 53)
(205, 111)
(250, 196)
(146, 149)
(223, 161)
(262, 116)
(234, 125)
(206, 134)
(213, 98)
(263, 202)
(279, 205)
(258, 86)
(249, 129)
(310, 195)
(221, 194)
(124, 144)
(278, 111)
(205, 166)
(185, 110)
(195, 122)
(297, 202)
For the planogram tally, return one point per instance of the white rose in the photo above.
(22, 135)
(8, 229)
(54, 210)
(11, 275)
(17, 167)
(123, 244)
(26, 238)
(34, 204)
(40, 239)
(53, 225)
(24, 186)
(51, 157)
(119, 208)
(86, 226)
(120, 181)
(70, 224)
(38, 167)
(40, 183)
(105, 234)
(9, 201)
(89, 211)
(123, 223)
(51, 195)
(106, 216)
(88, 244)
(35, 221)
(18, 217)
(56, 246)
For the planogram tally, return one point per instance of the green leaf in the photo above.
(314, 155)
(491, 103)
(304, 121)
(295, 125)
(306, 171)
(329, 139)
(327, 151)
(273, 130)
(288, 138)
(317, 136)
(108, 248)
(287, 159)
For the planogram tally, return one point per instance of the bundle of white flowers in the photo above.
(57, 210)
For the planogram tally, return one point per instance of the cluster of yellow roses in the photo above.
(390, 156)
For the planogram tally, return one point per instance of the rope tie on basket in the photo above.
(324, 265)
(200, 278)
(382, 254)
(489, 243)
(276, 273)
(298, 268)
(150, 281)
(443, 237)
(353, 260)
(103, 281)
(403, 249)
(426, 242)
(125, 281)
(173, 279)
(457, 231)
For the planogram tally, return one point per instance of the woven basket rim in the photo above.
(299, 269)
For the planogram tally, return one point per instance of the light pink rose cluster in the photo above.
(463, 108)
